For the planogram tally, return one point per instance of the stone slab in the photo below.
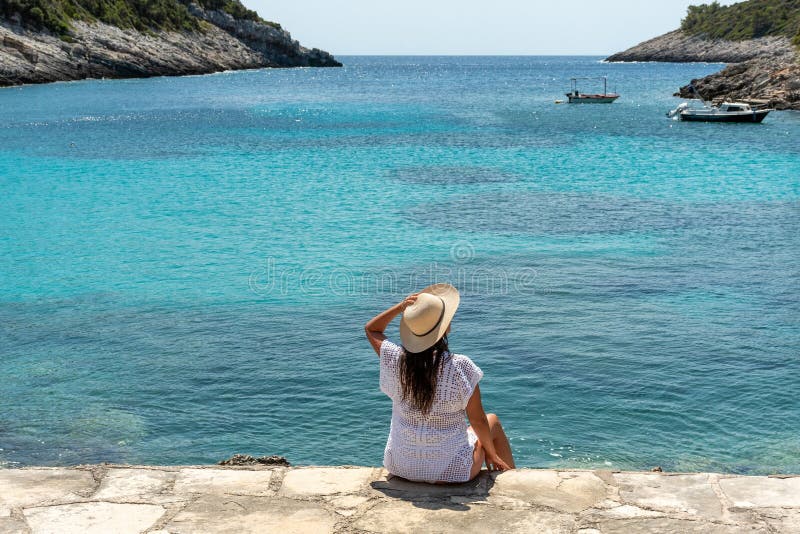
(762, 492)
(689, 494)
(132, 484)
(352, 499)
(563, 491)
(346, 505)
(12, 525)
(783, 520)
(625, 511)
(257, 515)
(402, 517)
(93, 518)
(307, 482)
(668, 525)
(27, 487)
(223, 481)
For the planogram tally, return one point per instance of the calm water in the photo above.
(186, 264)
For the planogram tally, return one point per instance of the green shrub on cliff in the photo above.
(745, 20)
(142, 15)
(37, 14)
(233, 8)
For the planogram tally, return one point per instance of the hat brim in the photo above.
(414, 343)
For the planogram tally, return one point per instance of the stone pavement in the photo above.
(208, 499)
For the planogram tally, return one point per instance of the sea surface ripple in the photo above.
(186, 264)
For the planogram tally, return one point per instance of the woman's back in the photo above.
(433, 446)
(433, 392)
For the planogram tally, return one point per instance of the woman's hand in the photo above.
(375, 327)
(408, 301)
(495, 463)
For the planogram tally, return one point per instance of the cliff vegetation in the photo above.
(759, 39)
(57, 16)
(745, 20)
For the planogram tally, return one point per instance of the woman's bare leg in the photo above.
(500, 440)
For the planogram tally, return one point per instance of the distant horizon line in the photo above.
(471, 55)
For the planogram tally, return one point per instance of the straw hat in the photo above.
(425, 322)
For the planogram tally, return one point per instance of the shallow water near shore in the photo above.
(186, 264)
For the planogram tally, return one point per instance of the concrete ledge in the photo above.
(177, 499)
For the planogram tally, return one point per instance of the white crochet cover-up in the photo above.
(435, 447)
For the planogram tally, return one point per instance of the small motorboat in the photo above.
(725, 112)
(576, 97)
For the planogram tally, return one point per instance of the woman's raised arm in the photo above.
(376, 326)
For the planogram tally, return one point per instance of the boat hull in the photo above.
(591, 99)
(750, 116)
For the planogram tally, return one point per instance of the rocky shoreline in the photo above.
(99, 50)
(764, 71)
(187, 499)
(763, 82)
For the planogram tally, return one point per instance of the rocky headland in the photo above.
(679, 47)
(763, 70)
(94, 49)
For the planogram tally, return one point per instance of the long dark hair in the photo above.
(419, 373)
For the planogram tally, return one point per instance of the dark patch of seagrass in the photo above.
(246, 459)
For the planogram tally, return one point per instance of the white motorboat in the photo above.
(725, 112)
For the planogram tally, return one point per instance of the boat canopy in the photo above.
(575, 82)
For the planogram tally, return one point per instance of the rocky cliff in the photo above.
(762, 71)
(772, 82)
(99, 50)
(680, 47)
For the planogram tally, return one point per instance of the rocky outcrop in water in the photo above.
(762, 71)
(98, 50)
(275, 45)
(772, 82)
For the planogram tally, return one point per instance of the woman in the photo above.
(433, 391)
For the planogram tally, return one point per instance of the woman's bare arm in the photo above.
(480, 424)
(376, 326)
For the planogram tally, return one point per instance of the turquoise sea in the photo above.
(186, 264)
